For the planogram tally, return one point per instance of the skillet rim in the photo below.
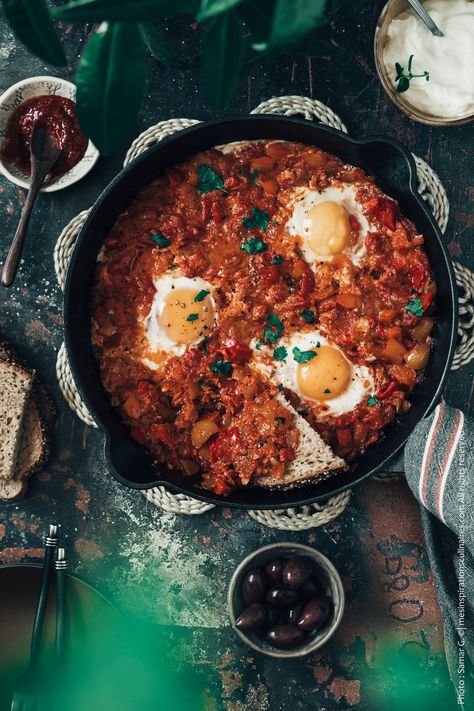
(285, 497)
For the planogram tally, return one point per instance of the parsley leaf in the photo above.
(201, 295)
(280, 419)
(415, 307)
(209, 179)
(160, 240)
(259, 219)
(222, 367)
(259, 344)
(302, 357)
(308, 316)
(204, 344)
(280, 387)
(277, 259)
(273, 332)
(192, 317)
(372, 401)
(280, 353)
(327, 391)
(253, 246)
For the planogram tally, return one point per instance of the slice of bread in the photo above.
(314, 458)
(12, 489)
(33, 449)
(15, 388)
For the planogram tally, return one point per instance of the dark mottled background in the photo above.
(174, 569)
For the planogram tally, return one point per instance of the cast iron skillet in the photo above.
(395, 172)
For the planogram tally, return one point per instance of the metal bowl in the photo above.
(326, 574)
(395, 172)
(391, 10)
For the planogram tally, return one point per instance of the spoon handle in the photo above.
(14, 253)
(427, 19)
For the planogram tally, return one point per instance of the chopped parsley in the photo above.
(274, 331)
(209, 179)
(327, 391)
(280, 419)
(253, 246)
(280, 387)
(201, 295)
(204, 344)
(258, 220)
(192, 317)
(280, 353)
(262, 442)
(259, 344)
(277, 259)
(372, 401)
(308, 316)
(222, 367)
(415, 307)
(252, 176)
(160, 240)
(302, 357)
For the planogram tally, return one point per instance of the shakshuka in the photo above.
(254, 270)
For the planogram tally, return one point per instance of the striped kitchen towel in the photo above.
(439, 467)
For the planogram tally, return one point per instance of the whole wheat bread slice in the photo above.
(314, 458)
(15, 389)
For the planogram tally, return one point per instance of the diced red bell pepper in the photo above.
(344, 436)
(233, 436)
(354, 223)
(206, 210)
(237, 352)
(216, 213)
(386, 213)
(387, 391)
(307, 283)
(416, 275)
(426, 301)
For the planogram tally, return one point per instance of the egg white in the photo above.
(285, 372)
(304, 199)
(157, 339)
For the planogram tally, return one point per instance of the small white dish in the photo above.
(26, 89)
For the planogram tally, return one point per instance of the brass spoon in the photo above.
(44, 154)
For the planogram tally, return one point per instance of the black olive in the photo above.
(284, 636)
(273, 570)
(315, 613)
(296, 572)
(310, 589)
(274, 614)
(252, 618)
(254, 586)
(293, 614)
(281, 597)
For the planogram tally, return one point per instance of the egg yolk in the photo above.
(329, 228)
(183, 319)
(325, 376)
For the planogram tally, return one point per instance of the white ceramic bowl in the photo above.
(41, 86)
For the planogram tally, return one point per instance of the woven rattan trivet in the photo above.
(430, 188)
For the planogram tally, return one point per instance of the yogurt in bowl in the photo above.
(428, 77)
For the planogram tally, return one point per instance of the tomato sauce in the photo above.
(58, 115)
(379, 313)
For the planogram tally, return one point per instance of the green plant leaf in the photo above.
(253, 246)
(110, 81)
(290, 21)
(302, 357)
(211, 8)
(157, 42)
(259, 219)
(32, 24)
(209, 179)
(222, 54)
(124, 10)
(403, 84)
(399, 69)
